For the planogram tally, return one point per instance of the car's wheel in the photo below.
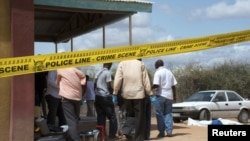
(243, 116)
(204, 115)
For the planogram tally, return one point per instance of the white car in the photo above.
(212, 104)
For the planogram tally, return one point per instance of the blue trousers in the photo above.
(163, 108)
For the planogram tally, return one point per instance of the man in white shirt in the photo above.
(164, 82)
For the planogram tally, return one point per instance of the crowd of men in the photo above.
(130, 89)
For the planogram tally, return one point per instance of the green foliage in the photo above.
(229, 75)
(194, 77)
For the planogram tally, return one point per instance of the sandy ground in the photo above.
(181, 132)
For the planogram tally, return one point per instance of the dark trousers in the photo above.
(148, 118)
(71, 109)
(105, 109)
(40, 101)
(55, 110)
(90, 108)
(135, 118)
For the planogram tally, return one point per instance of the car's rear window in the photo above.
(201, 96)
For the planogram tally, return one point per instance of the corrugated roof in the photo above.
(60, 20)
(136, 1)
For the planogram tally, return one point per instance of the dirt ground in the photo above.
(181, 132)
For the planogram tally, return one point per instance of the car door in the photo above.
(234, 104)
(220, 106)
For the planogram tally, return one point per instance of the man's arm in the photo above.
(110, 88)
(84, 87)
(118, 80)
(155, 86)
(58, 78)
(174, 92)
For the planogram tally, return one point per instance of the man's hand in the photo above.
(114, 99)
(153, 99)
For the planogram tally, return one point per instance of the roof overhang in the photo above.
(60, 20)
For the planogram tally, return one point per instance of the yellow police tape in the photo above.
(31, 64)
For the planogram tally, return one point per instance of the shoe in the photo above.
(169, 135)
(113, 138)
(37, 129)
(129, 136)
(160, 135)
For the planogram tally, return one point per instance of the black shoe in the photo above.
(161, 135)
(113, 138)
(129, 136)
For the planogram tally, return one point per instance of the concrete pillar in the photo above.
(17, 93)
(5, 83)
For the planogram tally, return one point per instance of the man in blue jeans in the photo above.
(164, 82)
